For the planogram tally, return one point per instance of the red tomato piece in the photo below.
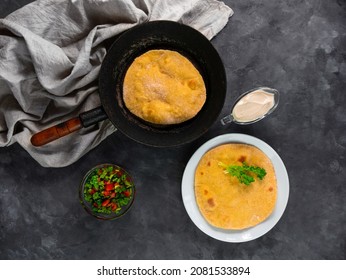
(106, 193)
(109, 187)
(127, 193)
(92, 191)
(113, 194)
(114, 206)
(106, 202)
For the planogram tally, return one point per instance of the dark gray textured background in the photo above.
(298, 47)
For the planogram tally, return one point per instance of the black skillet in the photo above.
(134, 42)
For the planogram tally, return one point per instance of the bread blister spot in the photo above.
(211, 202)
(192, 84)
(242, 159)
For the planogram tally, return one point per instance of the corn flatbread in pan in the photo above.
(163, 87)
(225, 202)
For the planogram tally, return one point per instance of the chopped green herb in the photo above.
(244, 172)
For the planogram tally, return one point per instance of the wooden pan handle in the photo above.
(55, 132)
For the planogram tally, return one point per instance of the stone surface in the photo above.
(297, 47)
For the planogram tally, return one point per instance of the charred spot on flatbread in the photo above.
(242, 158)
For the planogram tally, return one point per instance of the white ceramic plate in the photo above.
(235, 235)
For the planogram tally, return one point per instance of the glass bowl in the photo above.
(107, 191)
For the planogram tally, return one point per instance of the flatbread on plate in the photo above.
(225, 202)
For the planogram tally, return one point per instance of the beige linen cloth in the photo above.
(50, 56)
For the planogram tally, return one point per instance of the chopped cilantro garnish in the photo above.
(244, 172)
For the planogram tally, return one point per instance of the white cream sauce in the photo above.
(253, 106)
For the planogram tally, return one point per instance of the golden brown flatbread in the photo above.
(163, 87)
(224, 201)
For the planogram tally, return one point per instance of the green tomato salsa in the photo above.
(108, 189)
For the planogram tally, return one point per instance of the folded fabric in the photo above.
(50, 56)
